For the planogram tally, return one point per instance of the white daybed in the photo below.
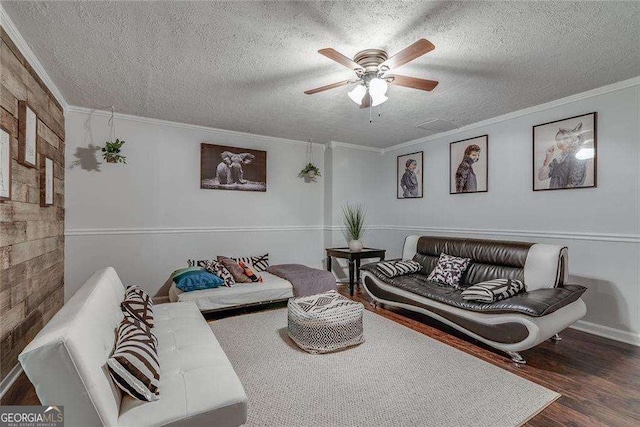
(271, 289)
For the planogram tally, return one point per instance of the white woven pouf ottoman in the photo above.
(325, 322)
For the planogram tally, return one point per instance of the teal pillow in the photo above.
(195, 279)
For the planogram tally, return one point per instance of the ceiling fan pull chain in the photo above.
(370, 118)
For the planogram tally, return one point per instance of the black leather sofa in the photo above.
(548, 306)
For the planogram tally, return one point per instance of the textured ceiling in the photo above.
(244, 65)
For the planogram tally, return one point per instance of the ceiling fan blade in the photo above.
(327, 87)
(412, 82)
(408, 54)
(366, 100)
(339, 58)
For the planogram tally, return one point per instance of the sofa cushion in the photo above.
(198, 385)
(449, 270)
(138, 304)
(496, 252)
(134, 365)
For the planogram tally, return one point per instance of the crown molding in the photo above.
(31, 57)
(335, 144)
(635, 81)
(188, 126)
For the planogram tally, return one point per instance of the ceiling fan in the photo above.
(371, 67)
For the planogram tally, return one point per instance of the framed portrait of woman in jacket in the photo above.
(409, 176)
(469, 165)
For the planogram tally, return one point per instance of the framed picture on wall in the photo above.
(469, 165)
(409, 176)
(565, 153)
(27, 134)
(232, 168)
(46, 182)
(5, 164)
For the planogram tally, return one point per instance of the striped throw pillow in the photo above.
(257, 263)
(138, 304)
(134, 364)
(493, 290)
(398, 268)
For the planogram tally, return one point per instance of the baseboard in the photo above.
(8, 381)
(607, 332)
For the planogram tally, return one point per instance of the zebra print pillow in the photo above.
(138, 304)
(493, 290)
(398, 268)
(449, 270)
(258, 263)
(214, 267)
(134, 364)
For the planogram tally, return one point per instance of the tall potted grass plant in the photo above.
(354, 216)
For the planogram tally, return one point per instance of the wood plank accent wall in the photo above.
(32, 237)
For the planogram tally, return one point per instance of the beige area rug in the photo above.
(397, 377)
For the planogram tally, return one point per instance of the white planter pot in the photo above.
(311, 174)
(355, 245)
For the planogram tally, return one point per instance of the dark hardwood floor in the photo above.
(599, 379)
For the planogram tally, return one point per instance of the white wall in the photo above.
(355, 173)
(148, 217)
(601, 226)
(146, 212)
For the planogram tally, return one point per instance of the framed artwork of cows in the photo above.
(232, 168)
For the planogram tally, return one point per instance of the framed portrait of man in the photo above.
(469, 165)
(409, 176)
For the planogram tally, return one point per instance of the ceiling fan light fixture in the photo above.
(357, 94)
(377, 87)
(377, 100)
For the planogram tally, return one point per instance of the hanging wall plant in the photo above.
(113, 147)
(111, 152)
(310, 171)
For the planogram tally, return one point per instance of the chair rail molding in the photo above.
(189, 230)
(596, 237)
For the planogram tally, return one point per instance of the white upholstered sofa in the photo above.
(66, 362)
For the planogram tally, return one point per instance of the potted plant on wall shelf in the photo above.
(111, 152)
(354, 216)
(310, 171)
